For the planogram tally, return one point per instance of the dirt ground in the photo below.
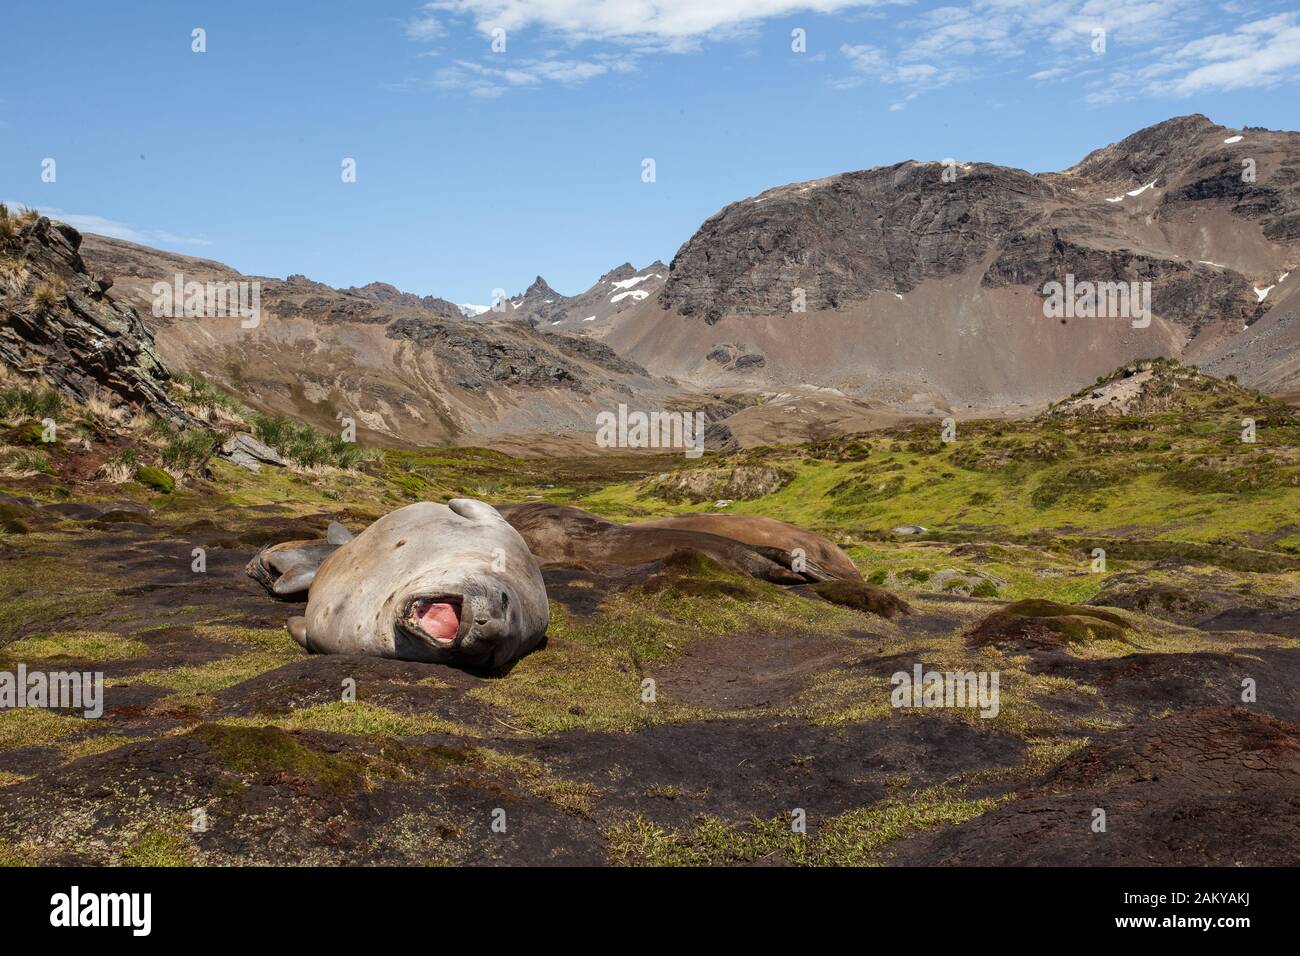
(221, 742)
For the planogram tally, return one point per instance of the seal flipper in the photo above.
(298, 631)
(811, 570)
(474, 509)
(294, 581)
(337, 534)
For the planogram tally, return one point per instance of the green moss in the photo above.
(30, 432)
(156, 479)
(76, 646)
(34, 727)
(215, 675)
(855, 838)
(360, 718)
(160, 845)
(1073, 624)
(41, 591)
(266, 750)
(12, 855)
(569, 795)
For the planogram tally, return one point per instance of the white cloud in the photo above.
(1262, 53)
(424, 27)
(871, 62)
(636, 21)
(1152, 47)
(83, 222)
(492, 81)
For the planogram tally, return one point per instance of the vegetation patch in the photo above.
(1040, 623)
(855, 838)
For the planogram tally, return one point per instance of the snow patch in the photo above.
(1234, 139)
(1141, 189)
(637, 294)
(628, 283)
(590, 318)
(469, 309)
(1207, 262)
(1263, 293)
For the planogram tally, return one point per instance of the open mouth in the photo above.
(436, 617)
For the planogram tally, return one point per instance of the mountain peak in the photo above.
(1149, 153)
(539, 287)
(618, 273)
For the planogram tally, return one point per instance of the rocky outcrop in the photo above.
(597, 352)
(480, 360)
(248, 452)
(57, 321)
(717, 483)
(735, 358)
(391, 295)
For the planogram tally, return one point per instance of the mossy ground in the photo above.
(199, 663)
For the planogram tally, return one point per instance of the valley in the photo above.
(1097, 516)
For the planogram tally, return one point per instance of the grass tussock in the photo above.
(308, 447)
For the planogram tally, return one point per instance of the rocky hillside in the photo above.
(406, 369)
(891, 228)
(59, 322)
(923, 281)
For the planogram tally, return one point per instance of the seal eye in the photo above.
(505, 601)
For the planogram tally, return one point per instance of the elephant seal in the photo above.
(286, 570)
(822, 559)
(449, 584)
(560, 534)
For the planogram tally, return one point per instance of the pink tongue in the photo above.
(438, 620)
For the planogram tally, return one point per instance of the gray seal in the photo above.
(449, 584)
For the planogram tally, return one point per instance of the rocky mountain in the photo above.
(921, 284)
(59, 322)
(915, 289)
(615, 292)
(391, 295)
(406, 369)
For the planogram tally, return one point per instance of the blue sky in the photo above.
(478, 170)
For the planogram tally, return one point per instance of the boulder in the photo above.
(248, 452)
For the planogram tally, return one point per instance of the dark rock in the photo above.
(83, 342)
(483, 360)
(391, 295)
(247, 452)
(601, 354)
